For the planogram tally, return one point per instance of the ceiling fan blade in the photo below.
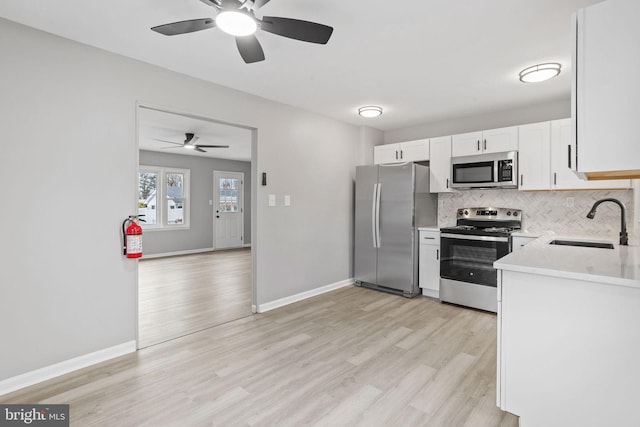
(199, 149)
(297, 29)
(212, 146)
(170, 142)
(259, 3)
(183, 27)
(170, 148)
(250, 49)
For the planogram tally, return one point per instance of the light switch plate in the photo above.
(272, 200)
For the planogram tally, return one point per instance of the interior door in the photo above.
(228, 211)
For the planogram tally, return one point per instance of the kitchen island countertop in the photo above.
(619, 266)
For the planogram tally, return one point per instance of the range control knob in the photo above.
(509, 213)
(515, 213)
(460, 212)
(466, 212)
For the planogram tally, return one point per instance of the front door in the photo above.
(228, 210)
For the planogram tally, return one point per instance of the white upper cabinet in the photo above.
(606, 89)
(562, 177)
(534, 155)
(488, 141)
(440, 164)
(544, 156)
(410, 151)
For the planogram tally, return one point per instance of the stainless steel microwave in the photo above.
(485, 170)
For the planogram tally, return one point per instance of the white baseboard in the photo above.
(176, 253)
(43, 374)
(262, 308)
(246, 245)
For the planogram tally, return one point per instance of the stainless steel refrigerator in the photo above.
(392, 201)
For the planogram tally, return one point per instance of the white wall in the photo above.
(68, 127)
(560, 109)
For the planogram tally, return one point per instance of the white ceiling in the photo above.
(421, 60)
(157, 125)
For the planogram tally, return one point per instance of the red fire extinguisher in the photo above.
(132, 237)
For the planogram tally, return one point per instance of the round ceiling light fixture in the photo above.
(540, 72)
(236, 23)
(370, 111)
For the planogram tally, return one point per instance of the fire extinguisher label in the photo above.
(134, 244)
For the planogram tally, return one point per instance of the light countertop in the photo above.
(618, 266)
(429, 228)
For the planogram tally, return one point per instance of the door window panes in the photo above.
(228, 195)
(147, 196)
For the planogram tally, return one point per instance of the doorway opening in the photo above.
(197, 269)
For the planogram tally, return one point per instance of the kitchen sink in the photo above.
(602, 245)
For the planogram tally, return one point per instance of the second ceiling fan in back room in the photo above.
(190, 143)
(237, 17)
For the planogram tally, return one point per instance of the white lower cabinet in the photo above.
(429, 267)
(518, 242)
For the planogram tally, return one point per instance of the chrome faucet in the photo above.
(624, 238)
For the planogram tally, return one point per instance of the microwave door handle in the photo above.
(496, 177)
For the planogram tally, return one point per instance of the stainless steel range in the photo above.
(481, 236)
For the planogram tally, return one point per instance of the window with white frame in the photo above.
(163, 197)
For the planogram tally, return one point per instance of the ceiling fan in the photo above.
(189, 143)
(237, 17)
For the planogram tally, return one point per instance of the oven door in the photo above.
(470, 258)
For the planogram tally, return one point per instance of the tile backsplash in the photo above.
(563, 212)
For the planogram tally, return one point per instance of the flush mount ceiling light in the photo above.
(236, 23)
(540, 72)
(370, 111)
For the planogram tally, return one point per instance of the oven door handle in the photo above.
(473, 237)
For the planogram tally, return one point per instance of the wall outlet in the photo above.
(287, 200)
(570, 202)
(272, 200)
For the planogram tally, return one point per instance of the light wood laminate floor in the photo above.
(184, 294)
(351, 357)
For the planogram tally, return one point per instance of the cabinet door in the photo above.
(562, 177)
(606, 102)
(414, 151)
(498, 140)
(387, 153)
(518, 242)
(429, 278)
(440, 165)
(534, 157)
(466, 144)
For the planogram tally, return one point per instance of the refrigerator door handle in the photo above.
(374, 215)
(377, 221)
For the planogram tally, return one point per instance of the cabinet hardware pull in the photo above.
(478, 146)
(485, 144)
(437, 254)
(555, 178)
(430, 238)
(396, 154)
(401, 155)
(447, 182)
(569, 155)
(521, 179)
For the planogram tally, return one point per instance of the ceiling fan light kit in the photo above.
(237, 17)
(237, 24)
(370, 111)
(540, 72)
